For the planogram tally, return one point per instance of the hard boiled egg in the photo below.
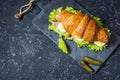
(60, 27)
(99, 43)
(79, 39)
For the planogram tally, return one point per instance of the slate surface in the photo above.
(23, 51)
(41, 22)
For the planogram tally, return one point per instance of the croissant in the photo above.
(82, 26)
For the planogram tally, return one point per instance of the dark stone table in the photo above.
(27, 54)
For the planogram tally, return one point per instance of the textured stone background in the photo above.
(27, 54)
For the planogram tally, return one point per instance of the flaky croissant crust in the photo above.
(82, 26)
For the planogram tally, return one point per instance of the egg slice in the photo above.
(60, 27)
(99, 43)
(79, 39)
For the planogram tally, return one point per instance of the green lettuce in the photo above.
(100, 24)
(94, 47)
(72, 10)
(108, 31)
(52, 15)
(98, 20)
(81, 43)
(62, 45)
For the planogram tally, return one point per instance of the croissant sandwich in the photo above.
(83, 29)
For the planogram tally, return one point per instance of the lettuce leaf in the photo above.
(62, 45)
(81, 43)
(108, 31)
(72, 10)
(94, 47)
(52, 15)
(98, 21)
